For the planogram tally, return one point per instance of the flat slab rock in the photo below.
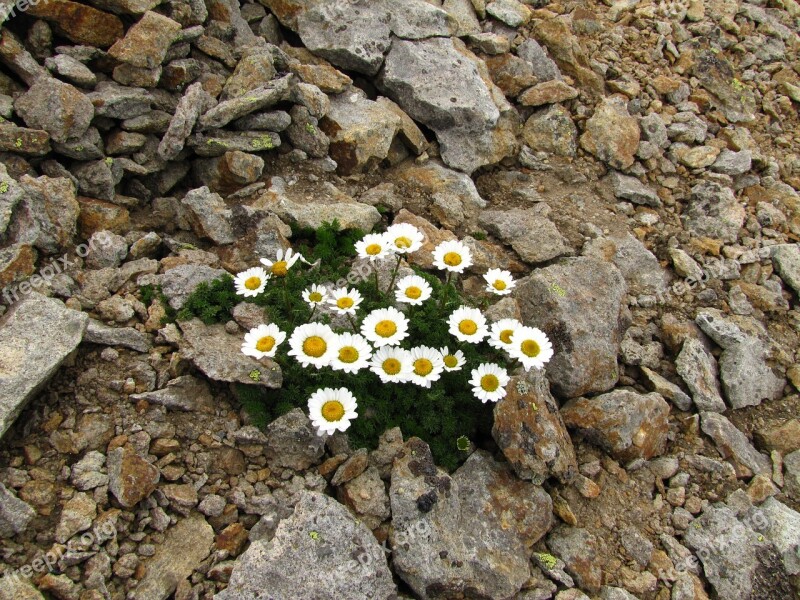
(35, 337)
(320, 551)
(218, 354)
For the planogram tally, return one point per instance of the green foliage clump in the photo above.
(151, 292)
(447, 415)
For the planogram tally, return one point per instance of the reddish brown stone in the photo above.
(131, 478)
(98, 215)
(80, 23)
(16, 263)
(232, 539)
(21, 140)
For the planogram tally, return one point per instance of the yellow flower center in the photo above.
(315, 297)
(505, 336)
(314, 346)
(345, 302)
(391, 366)
(265, 344)
(252, 283)
(500, 285)
(530, 348)
(422, 366)
(403, 242)
(490, 383)
(413, 292)
(280, 268)
(452, 259)
(373, 249)
(348, 354)
(386, 329)
(332, 411)
(451, 361)
(468, 327)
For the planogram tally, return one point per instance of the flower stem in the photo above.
(352, 322)
(394, 274)
(377, 286)
(445, 290)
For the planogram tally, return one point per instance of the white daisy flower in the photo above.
(426, 366)
(373, 246)
(453, 361)
(314, 295)
(531, 347)
(392, 364)
(452, 255)
(468, 325)
(404, 238)
(412, 290)
(344, 301)
(499, 282)
(385, 327)
(263, 341)
(500, 333)
(251, 283)
(489, 382)
(351, 353)
(332, 410)
(282, 263)
(312, 344)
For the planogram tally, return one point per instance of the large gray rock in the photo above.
(56, 107)
(551, 130)
(47, 216)
(529, 430)
(179, 283)
(218, 354)
(579, 303)
(578, 548)
(195, 102)
(209, 215)
(612, 134)
(783, 530)
(625, 423)
(185, 393)
(633, 190)
(733, 444)
(786, 259)
(713, 212)
(698, 368)
(184, 548)
(36, 336)
(717, 76)
(442, 522)
(737, 561)
(469, 115)
(529, 232)
(126, 337)
(320, 551)
(640, 267)
(292, 442)
(15, 515)
(746, 377)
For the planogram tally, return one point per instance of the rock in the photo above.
(791, 463)
(185, 393)
(440, 522)
(578, 302)
(71, 69)
(698, 157)
(218, 355)
(47, 216)
(544, 69)
(27, 363)
(254, 68)
(119, 102)
(14, 588)
(698, 368)
(578, 548)
(529, 232)
(737, 561)
(130, 478)
(548, 92)
(732, 163)
(146, 43)
(366, 496)
(293, 442)
(615, 593)
(569, 55)
(289, 565)
(612, 135)
(77, 515)
(783, 530)
(79, 23)
(209, 215)
(264, 96)
(463, 13)
(305, 135)
(715, 74)
(126, 337)
(667, 389)
(530, 431)
(15, 515)
(490, 43)
(86, 474)
(551, 130)
(472, 131)
(351, 468)
(56, 107)
(185, 546)
(786, 258)
(784, 438)
(733, 444)
(195, 101)
(641, 269)
(96, 215)
(179, 282)
(20, 140)
(626, 424)
(182, 498)
(510, 12)
(630, 188)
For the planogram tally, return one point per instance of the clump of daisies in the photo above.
(366, 356)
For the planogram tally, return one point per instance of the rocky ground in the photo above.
(635, 164)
